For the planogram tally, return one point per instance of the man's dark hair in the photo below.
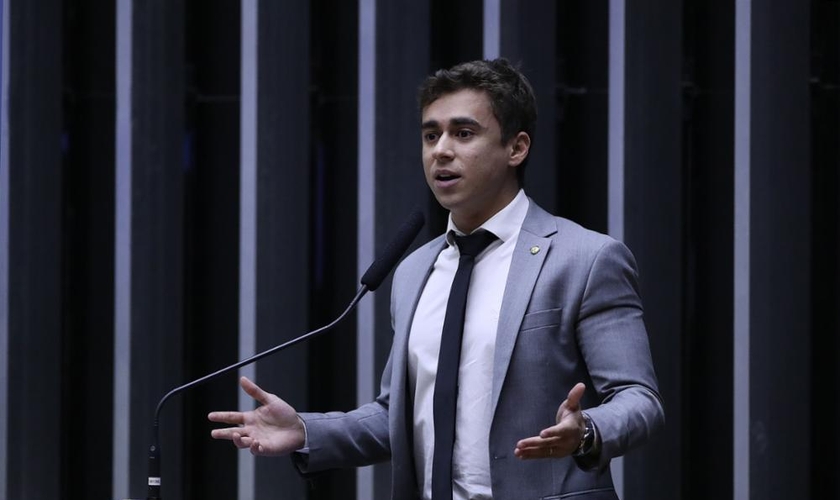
(511, 96)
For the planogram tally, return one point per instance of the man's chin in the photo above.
(448, 202)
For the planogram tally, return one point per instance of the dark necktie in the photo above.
(446, 380)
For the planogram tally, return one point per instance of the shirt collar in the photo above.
(505, 224)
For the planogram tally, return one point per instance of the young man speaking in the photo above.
(520, 363)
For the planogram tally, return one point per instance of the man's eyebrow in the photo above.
(456, 121)
(464, 120)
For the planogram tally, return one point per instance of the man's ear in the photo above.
(519, 146)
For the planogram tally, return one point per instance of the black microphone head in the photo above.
(389, 257)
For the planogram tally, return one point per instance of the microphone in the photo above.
(373, 277)
(380, 268)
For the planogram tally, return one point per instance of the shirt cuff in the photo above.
(305, 448)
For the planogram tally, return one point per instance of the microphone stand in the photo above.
(370, 282)
(154, 448)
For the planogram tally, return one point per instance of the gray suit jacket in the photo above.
(571, 312)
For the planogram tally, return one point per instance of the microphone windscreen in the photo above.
(389, 257)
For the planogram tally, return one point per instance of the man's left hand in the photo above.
(561, 439)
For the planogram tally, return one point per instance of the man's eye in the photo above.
(430, 136)
(464, 134)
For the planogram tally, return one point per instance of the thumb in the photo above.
(573, 399)
(254, 391)
(572, 402)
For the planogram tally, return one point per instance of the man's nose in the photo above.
(443, 148)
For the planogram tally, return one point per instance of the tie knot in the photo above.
(473, 244)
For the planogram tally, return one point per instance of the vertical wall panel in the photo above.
(741, 243)
(122, 253)
(456, 33)
(617, 57)
(34, 250)
(248, 126)
(283, 215)
(366, 187)
(780, 199)
(367, 376)
(528, 34)
(156, 263)
(401, 65)
(334, 60)
(492, 28)
(653, 223)
(211, 230)
(615, 151)
(4, 244)
(825, 224)
(707, 157)
(88, 250)
(581, 110)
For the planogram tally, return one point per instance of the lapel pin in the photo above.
(535, 250)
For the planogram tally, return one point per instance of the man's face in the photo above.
(471, 173)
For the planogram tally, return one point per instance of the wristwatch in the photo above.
(587, 440)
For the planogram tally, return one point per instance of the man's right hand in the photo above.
(272, 429)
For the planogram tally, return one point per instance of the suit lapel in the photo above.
(525, 265)
(411, 286)
(413, 279)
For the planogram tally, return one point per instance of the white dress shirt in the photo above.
(470, 460)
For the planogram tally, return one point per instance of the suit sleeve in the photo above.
(614, 344)
(355, 438)
(362, 436)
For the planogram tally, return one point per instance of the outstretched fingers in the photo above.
(227, 417)
(229, 433)
(241, 441)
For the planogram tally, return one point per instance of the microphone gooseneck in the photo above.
(370, 281)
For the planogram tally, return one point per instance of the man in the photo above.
(552, 325)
